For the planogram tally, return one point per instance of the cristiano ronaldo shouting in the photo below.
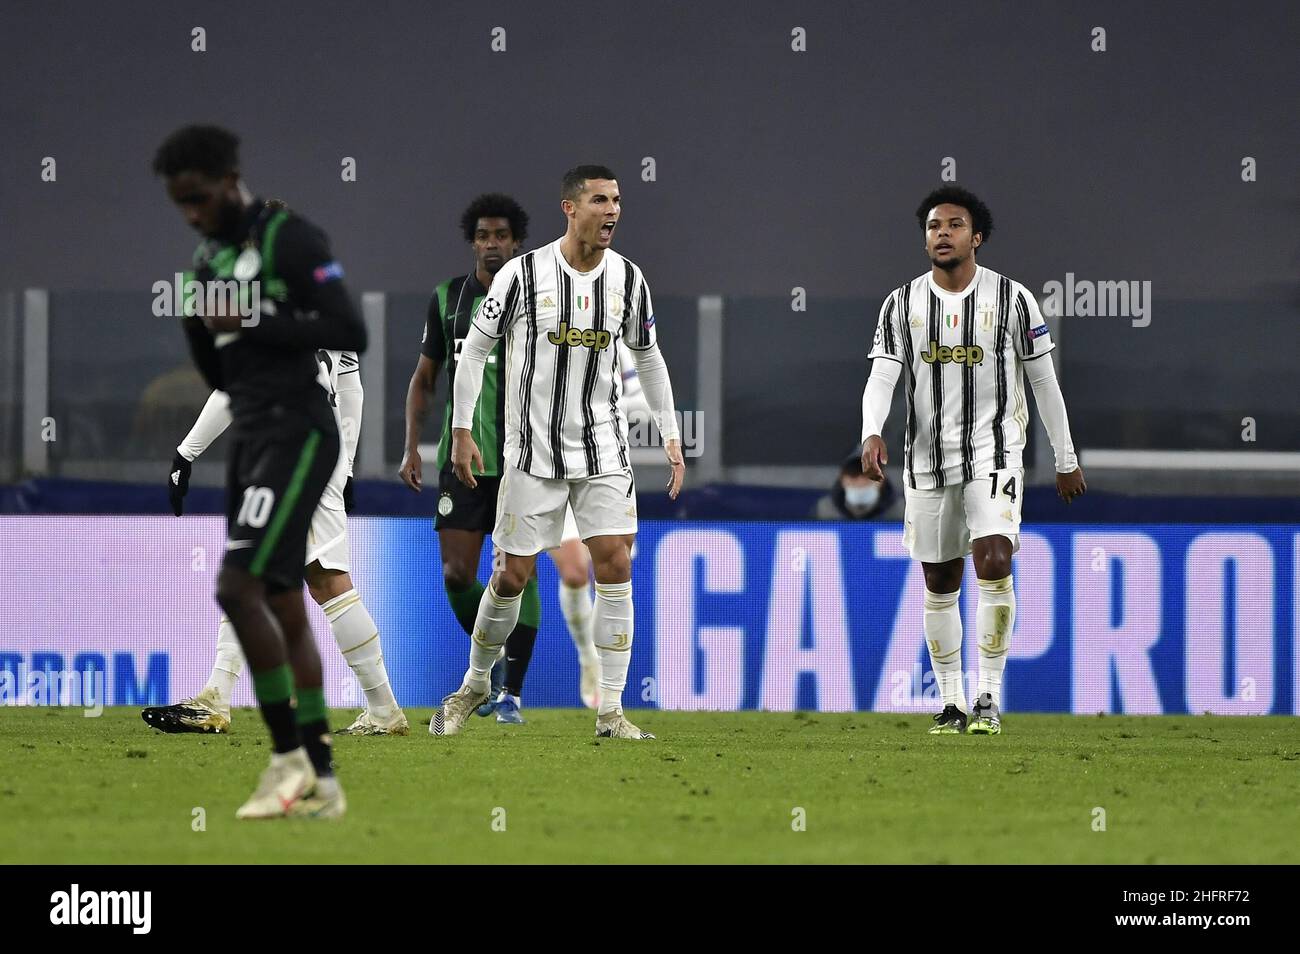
(965, 337)
(562, 310)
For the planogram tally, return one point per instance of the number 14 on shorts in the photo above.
(1003, 482)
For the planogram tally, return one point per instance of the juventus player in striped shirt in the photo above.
(963, 334)
(563, 309)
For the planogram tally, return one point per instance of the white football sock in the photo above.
(228, 664)
(612, 629)
(575, 604)
(942, 622)
(358, 640)
(994, 618)
(496, 620)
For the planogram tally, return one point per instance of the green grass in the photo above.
(715, 787)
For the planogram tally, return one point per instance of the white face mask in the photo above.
(861, 498)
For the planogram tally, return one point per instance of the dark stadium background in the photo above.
(775, 169)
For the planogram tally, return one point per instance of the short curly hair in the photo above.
(494, 205)
(210, 150)
(980, 216)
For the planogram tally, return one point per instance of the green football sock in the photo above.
(311, 705)
(274, 691)
(273, 685)
(464, 603)
(314, 730)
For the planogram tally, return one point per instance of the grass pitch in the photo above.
(713, 788)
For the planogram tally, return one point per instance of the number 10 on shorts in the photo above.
(256, 506)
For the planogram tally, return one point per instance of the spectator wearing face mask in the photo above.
(855, 496)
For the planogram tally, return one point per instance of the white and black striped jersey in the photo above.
(961, 355)
(332, 364)
(564, 413)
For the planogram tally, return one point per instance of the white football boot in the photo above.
(615, 726)
(367, 724)
(326, 800)
(455, 709)
(284, 782)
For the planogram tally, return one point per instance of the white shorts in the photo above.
(939, 525)
(327, 539)
(570, 527)
(531, 510)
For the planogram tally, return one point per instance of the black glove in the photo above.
(347, 496)
(178, 483)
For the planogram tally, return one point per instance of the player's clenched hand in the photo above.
(464, 456)
(411, 470)
(874, 457)
(178, 483)
(1071, 485)
(677, 474)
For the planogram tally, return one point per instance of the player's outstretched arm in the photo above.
(1051, 407)
(657, 388)
(210, 424)
(876, 398)
(419, 394)
(351, 397)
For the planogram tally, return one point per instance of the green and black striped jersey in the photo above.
(451, 309)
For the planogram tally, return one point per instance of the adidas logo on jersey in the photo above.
(957, 355)
(574, 338)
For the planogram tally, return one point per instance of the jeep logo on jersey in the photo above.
(574, 338)
(959, 355)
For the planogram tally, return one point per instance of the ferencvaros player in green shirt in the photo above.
(495, 226)
(286, 441)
